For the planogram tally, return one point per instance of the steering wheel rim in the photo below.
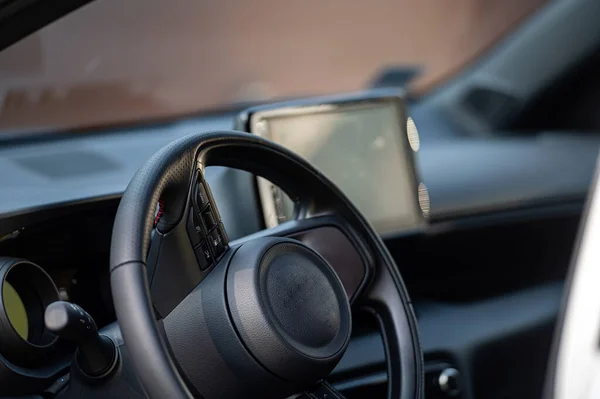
(168, 176)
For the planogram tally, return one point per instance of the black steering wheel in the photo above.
(266, 316)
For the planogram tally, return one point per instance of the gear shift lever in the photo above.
(96, 355)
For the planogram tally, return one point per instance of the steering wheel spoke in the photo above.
(182, 256)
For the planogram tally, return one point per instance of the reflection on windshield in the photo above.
(113, 61)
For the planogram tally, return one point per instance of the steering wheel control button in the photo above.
(209, 218)
(217, 242)
(201, 196)
(280, 290)
(193, 228)
(223, 234)
(203, 256)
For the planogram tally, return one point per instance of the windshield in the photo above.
(114, 62)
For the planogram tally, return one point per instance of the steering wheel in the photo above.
(265, 316)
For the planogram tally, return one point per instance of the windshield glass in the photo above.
(114, 62)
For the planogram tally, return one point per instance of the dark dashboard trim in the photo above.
(15, 221)
(493, 218)
(498, 216)
(508, 206)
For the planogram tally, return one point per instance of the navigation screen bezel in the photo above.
(255, 119)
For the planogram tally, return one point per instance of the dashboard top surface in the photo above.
(463, 175)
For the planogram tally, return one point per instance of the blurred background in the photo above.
(114, 62)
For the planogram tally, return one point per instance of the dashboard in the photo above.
(463, 175)
(506, 207)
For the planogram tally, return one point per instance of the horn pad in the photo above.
(289, 307)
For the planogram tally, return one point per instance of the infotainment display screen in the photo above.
(361, 144)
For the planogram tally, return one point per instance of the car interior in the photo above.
(398, 239)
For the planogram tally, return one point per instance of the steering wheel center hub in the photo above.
(300, 298)
(288, 306)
